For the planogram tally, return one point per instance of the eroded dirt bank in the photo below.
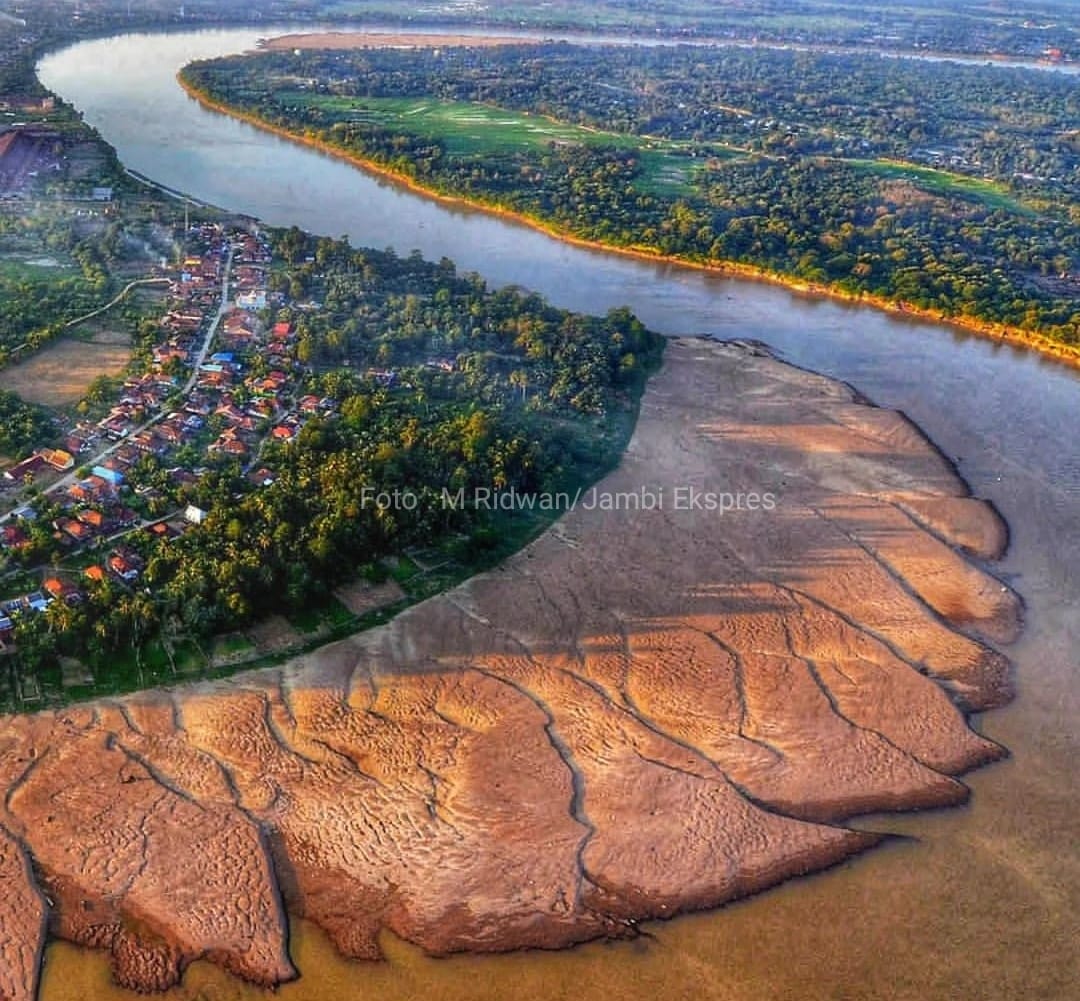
(645, 711)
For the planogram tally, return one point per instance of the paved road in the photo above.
(70, 478)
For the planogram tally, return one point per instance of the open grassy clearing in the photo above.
(944, 182)
(34, 266)
(106, 328)
(60, 373)
(477, 130)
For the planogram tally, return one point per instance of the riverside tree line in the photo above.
(949, 188)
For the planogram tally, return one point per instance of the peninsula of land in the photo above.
(656, 706)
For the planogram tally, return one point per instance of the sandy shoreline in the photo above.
(997, 332)
(648, 710)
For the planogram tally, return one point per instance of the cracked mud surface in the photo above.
(643, 712)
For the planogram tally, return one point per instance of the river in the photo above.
(976, 903)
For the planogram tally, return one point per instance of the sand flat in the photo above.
(651, 709)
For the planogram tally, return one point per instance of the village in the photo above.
(222, 383)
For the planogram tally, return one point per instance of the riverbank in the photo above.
(996, 332)
(990, 886)
(662, 704)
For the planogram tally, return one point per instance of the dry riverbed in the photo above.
(644, 712)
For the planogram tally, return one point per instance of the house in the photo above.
(62, 591)
(231, 412)
(284, 432)
(14, 537)
(195, 515)
(146, 441)
(97, 487)
(123, 567)
(58, 458)
(74, 529)
(27, 468)
(123, 457)
(95, 573)
(171, 432)
(163, 530)
(79, 494)
(261, 410)
(383, 376)
(183, 477)
(113, 477)
(256, 299)
(199, 405)
(117, 427)
(125, 517)
(93, 520)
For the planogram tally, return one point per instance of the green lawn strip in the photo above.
(471, 129)
(19, 268)
(945, 182)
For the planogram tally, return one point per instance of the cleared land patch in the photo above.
(467, 129)
(60, 374)
(945, 182)
(30, 266)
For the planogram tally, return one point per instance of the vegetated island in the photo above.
(900, 183)
(764, 621)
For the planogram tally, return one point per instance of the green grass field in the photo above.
(34, 267)
(470, 130)
(945, 182)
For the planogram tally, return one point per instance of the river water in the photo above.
(976, 903)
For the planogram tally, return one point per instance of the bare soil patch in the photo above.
(362, 597)
(111, 337)
(60, 374)
(273, 635)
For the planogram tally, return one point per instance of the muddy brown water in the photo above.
(974, 903)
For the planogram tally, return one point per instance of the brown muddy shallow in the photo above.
(646, 711)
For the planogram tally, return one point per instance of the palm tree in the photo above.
(520, 378)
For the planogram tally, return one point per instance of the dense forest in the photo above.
(949, 189)
(431, 381)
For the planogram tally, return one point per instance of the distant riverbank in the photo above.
(1001, 333)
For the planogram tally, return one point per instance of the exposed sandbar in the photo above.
(645, 711)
